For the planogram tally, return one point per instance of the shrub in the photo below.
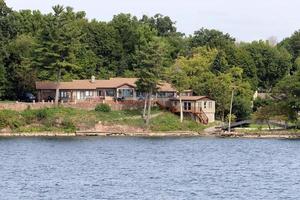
(10, 118)
(103, 108)
(41, 114)
(29, 116)
(68, 126)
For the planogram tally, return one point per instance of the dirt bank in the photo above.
(266, 135)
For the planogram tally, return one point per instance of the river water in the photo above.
(148, 168)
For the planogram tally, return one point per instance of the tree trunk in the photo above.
(57, 86)
(223, 115)
(149, 108)
(145, 106)
(230, 111)
(181, 110)
(268, 122)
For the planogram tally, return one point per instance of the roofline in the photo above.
(177, 98)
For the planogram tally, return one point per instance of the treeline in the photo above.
(65, 45)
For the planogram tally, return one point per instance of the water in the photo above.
(145, 168)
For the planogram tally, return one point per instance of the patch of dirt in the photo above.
(101, 127)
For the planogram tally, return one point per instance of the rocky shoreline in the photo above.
(266, 134)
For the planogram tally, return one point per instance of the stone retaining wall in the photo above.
(20, 106)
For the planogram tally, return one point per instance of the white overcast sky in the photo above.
(245, 20)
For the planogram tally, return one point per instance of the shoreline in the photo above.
(249, 135)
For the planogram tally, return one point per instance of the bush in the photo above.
(68, 126)
(103, 108)
(9, 118)
(31, 116)
(41, 114)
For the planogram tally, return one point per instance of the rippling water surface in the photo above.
(145, 168)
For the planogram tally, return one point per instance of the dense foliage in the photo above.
(103, 108)
(65, 45)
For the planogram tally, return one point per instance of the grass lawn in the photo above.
(70, 120)
(7, 101)
(170, 122)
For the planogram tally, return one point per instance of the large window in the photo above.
(84, 94)
(125, 92)
(110, 92)
(89, 93)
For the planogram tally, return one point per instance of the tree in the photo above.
(150, 73)
(210, 38)
(288, 94)
(58, 44)
(3, 80)
(180, 81)
(163, 24)
(272, 63)
(7, 32)
(21, 74)
(292, 44)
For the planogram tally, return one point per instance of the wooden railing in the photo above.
(202, 117)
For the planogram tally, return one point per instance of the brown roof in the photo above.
(166, 87)
(190, 98)
(87, 84)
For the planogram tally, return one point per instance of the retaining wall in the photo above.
(20, 106)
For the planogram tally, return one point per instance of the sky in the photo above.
(245, 20)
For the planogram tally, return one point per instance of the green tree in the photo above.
(21, 74)
(7, 33)
(292, 44)
(150, 73)
(59, 43)
(180, 81)
(211, 38)
(163, 24)
(288, 92)
(3, 80)
(272, 63)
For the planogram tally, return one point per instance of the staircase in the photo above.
(202, 117)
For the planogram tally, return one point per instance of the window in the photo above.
(187, 106)
(82, 95)
(110, 92)
(210, 104)
(125, 92)
(165, 94)
(205, 103)
(63, 94)
(200, 104)
(88, 93)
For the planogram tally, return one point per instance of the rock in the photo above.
(6, 130)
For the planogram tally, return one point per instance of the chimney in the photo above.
(93, 79)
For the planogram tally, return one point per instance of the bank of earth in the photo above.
(63, 122)
(69, 121)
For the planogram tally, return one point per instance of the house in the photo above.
(201, 108)
(112, 89)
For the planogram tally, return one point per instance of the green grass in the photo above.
(62, 119)
(170, 122)
(7, 101)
